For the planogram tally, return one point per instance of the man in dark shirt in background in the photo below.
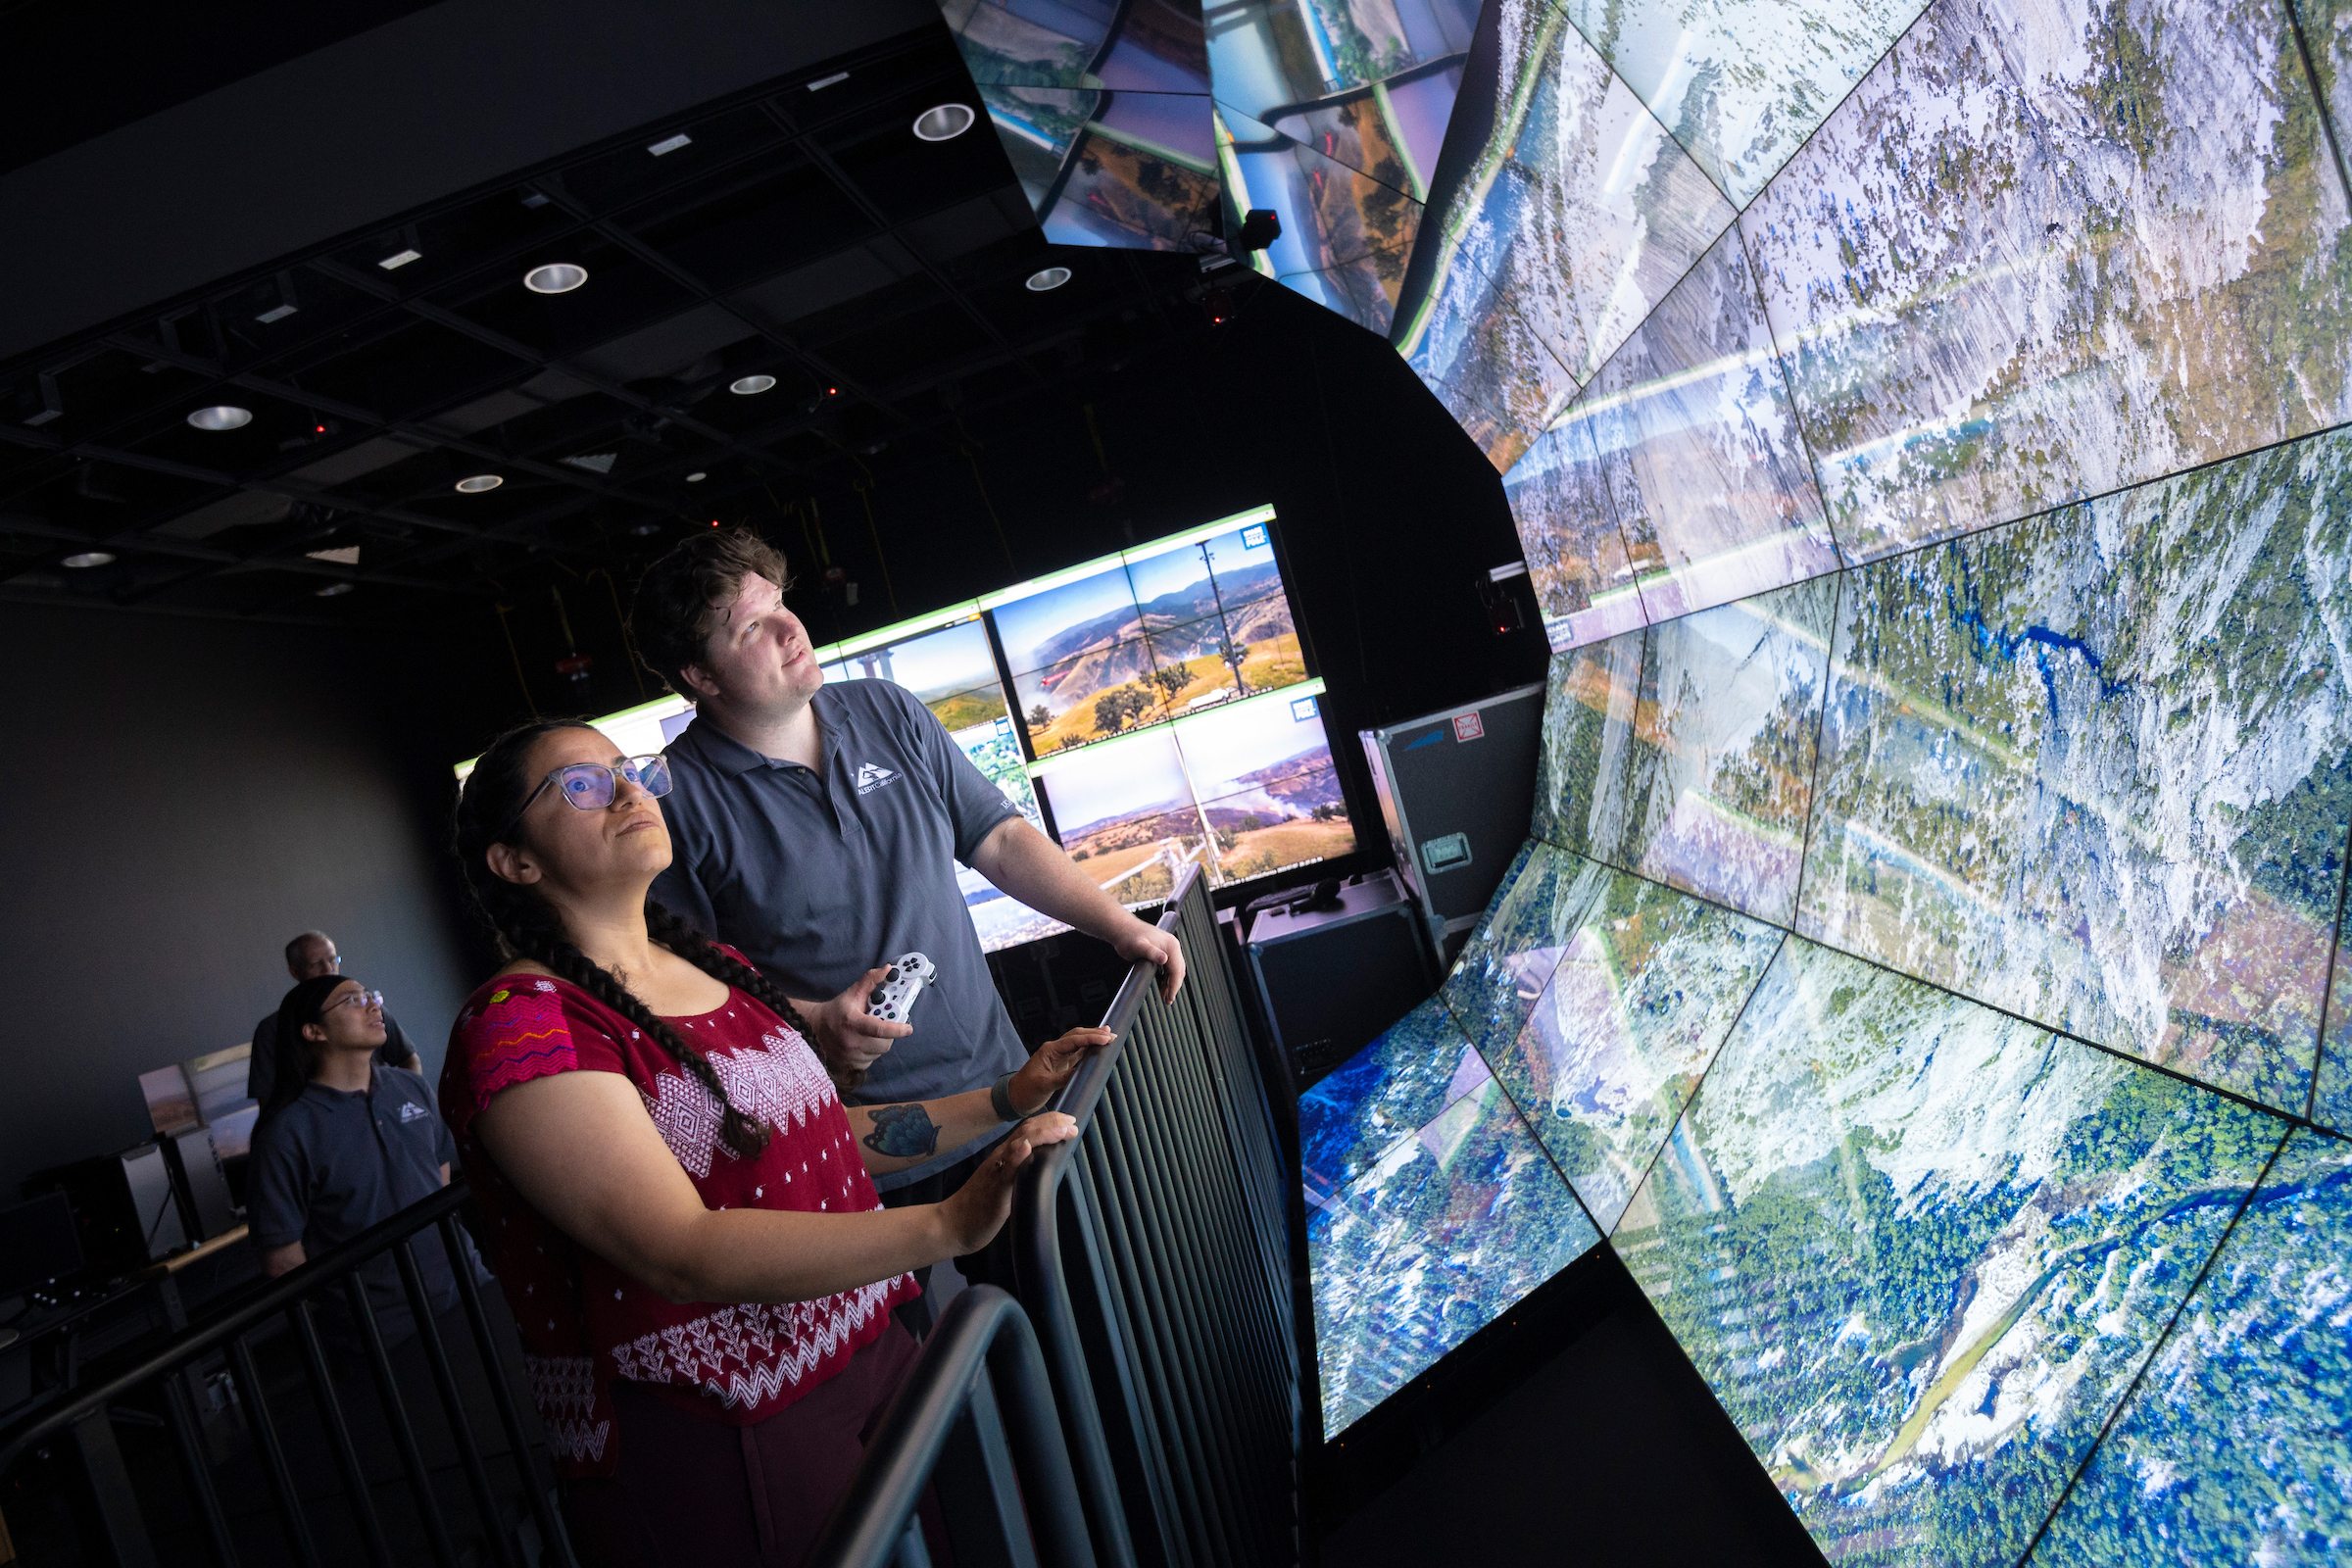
(309, 956)
(817, 828)
(357, 1144)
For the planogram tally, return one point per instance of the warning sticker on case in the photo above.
(1468, 726)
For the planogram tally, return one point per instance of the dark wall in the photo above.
(186, 794)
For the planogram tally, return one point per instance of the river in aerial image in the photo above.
(1919, 1250)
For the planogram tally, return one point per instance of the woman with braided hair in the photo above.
(677, 1202)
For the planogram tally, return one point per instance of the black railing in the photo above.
(1153, 1256)
(122, 1503)
(980, 1395)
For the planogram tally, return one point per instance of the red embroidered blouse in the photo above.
(584, 1322)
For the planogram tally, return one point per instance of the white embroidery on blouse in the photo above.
(781, 1083)
(748, 1355)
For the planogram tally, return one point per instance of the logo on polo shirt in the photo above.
(413, 1111)
(871, 777)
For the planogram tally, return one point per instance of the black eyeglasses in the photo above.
(591, 786)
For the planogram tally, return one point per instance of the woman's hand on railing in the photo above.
(976, 1211)
(1051, 1065)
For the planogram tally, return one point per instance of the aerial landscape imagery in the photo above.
(1165, 633)
(1925, 429)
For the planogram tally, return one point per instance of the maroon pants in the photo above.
(692, 1493)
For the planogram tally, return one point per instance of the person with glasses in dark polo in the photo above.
(344, 1142)
(309, 956)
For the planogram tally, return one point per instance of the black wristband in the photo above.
(999, 1099)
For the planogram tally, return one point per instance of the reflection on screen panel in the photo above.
(1105, 114)
(1433, 1210)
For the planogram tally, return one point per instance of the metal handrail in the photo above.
(1186, 1337)
(202, 1338)
(979, 1373)
(120, 1509)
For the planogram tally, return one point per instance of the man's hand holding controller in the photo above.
(854, 1030)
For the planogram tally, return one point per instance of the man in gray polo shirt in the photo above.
(817, 828)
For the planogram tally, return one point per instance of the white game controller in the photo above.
(893, 999)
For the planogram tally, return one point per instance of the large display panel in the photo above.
(1951, 1239)
(1741, 82)
(2222, 1444)
(1158, 700)
(1934, 970)
(1160, 633)
(2035, 303)
(2091, 767)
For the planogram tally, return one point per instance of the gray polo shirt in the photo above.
(820, 876)
(333, 1163)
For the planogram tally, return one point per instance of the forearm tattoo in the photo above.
(902, 1132)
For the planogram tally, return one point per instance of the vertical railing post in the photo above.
(117, 1501)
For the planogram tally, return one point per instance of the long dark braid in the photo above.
(673, 932)
(527, 926)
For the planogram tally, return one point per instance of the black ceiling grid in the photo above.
(804, 235)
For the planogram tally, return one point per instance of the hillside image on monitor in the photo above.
(951, 671)
(1127, 816)
(1215, 612)
(1269, 795)
(1164, 631)
(1245, 791)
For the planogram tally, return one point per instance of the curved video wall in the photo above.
(1925, 429)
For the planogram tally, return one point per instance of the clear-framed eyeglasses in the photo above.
(591, 786)
(366, 1001)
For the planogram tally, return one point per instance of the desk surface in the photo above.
(180, 1260)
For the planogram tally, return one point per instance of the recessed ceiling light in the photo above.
(400, 259)
(477, 483)
(89, 559)
(1048, 277)
(221, 417)
(750, 383)
(944, 122)
(670, 144)
(276, 314)
(556, 277)
(332, 589)
(697, 477)
(645, 528)
(535, 199)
